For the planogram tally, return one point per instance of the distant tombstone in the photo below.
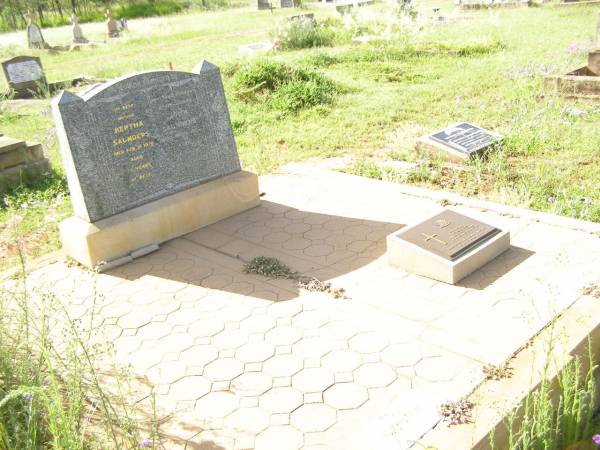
(78, 37)
(112, 26)
(35, 39)
(459, 142)
(148, 151)
(307, 16)
(20, 162)
(24, 75)
(287, 3)
(264, 4)
(446, 247)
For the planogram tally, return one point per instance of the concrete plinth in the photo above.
(417, 260)
(119, 237)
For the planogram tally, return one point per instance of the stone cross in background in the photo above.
(34, 34)
(78, 37)
(111, 25)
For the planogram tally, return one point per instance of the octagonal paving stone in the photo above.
(282, 400)
(223, 369)
(313, 417)
(313, 380)
(345, 395)
(282, 437)
(251, 384)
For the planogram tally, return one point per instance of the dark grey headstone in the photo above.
(143, 137)
(264, 4)
(24, 74)
(450, 234)
(466, 138)
(287, 3)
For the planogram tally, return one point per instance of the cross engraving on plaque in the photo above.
(429, 237)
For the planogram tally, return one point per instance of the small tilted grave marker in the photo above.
(24, 75)
(459, 142)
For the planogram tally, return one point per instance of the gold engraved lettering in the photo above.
(128, 126)
(131, 138)
(118, 153)
(142, 176)
(144, 166)
(126, 117)
(124, 107)
(136, 158)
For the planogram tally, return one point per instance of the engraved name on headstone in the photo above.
(450, 234)
(143, 137)
(24, 74)
(466, 138)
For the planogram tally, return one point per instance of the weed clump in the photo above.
(282, 86)
(306, 33)
(268, 267)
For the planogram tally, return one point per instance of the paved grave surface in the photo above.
(241, 361)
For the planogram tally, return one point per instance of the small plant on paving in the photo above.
(456, 413)
(273, 268)
(592, 290)
(493, 372)
(315, 285)
(268, 267)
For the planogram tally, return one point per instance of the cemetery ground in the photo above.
(225, 359)
(487, 70)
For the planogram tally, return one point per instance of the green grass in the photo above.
(562, 415)
(376, 99)
(52, 393)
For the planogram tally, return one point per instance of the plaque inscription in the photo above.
(465, 138)
(450, 234)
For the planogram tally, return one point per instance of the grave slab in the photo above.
(406, 342)
(446, 247)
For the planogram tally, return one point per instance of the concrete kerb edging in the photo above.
(494, 400)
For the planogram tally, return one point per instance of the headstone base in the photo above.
(417, 260)
(119, 237)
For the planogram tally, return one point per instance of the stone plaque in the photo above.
(465, 138)
(23, 69)
(24, 74)
(143, 137)
(450, 234)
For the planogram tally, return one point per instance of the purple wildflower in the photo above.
(145, 442)
(596, 440)
(551, 198)
(28, 396)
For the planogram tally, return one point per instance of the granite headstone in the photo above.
(78, 37)
(287, 3)
(24, 75)
(143, 137)
(35, 39)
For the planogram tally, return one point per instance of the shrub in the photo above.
(306, 33)
(284, 87)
